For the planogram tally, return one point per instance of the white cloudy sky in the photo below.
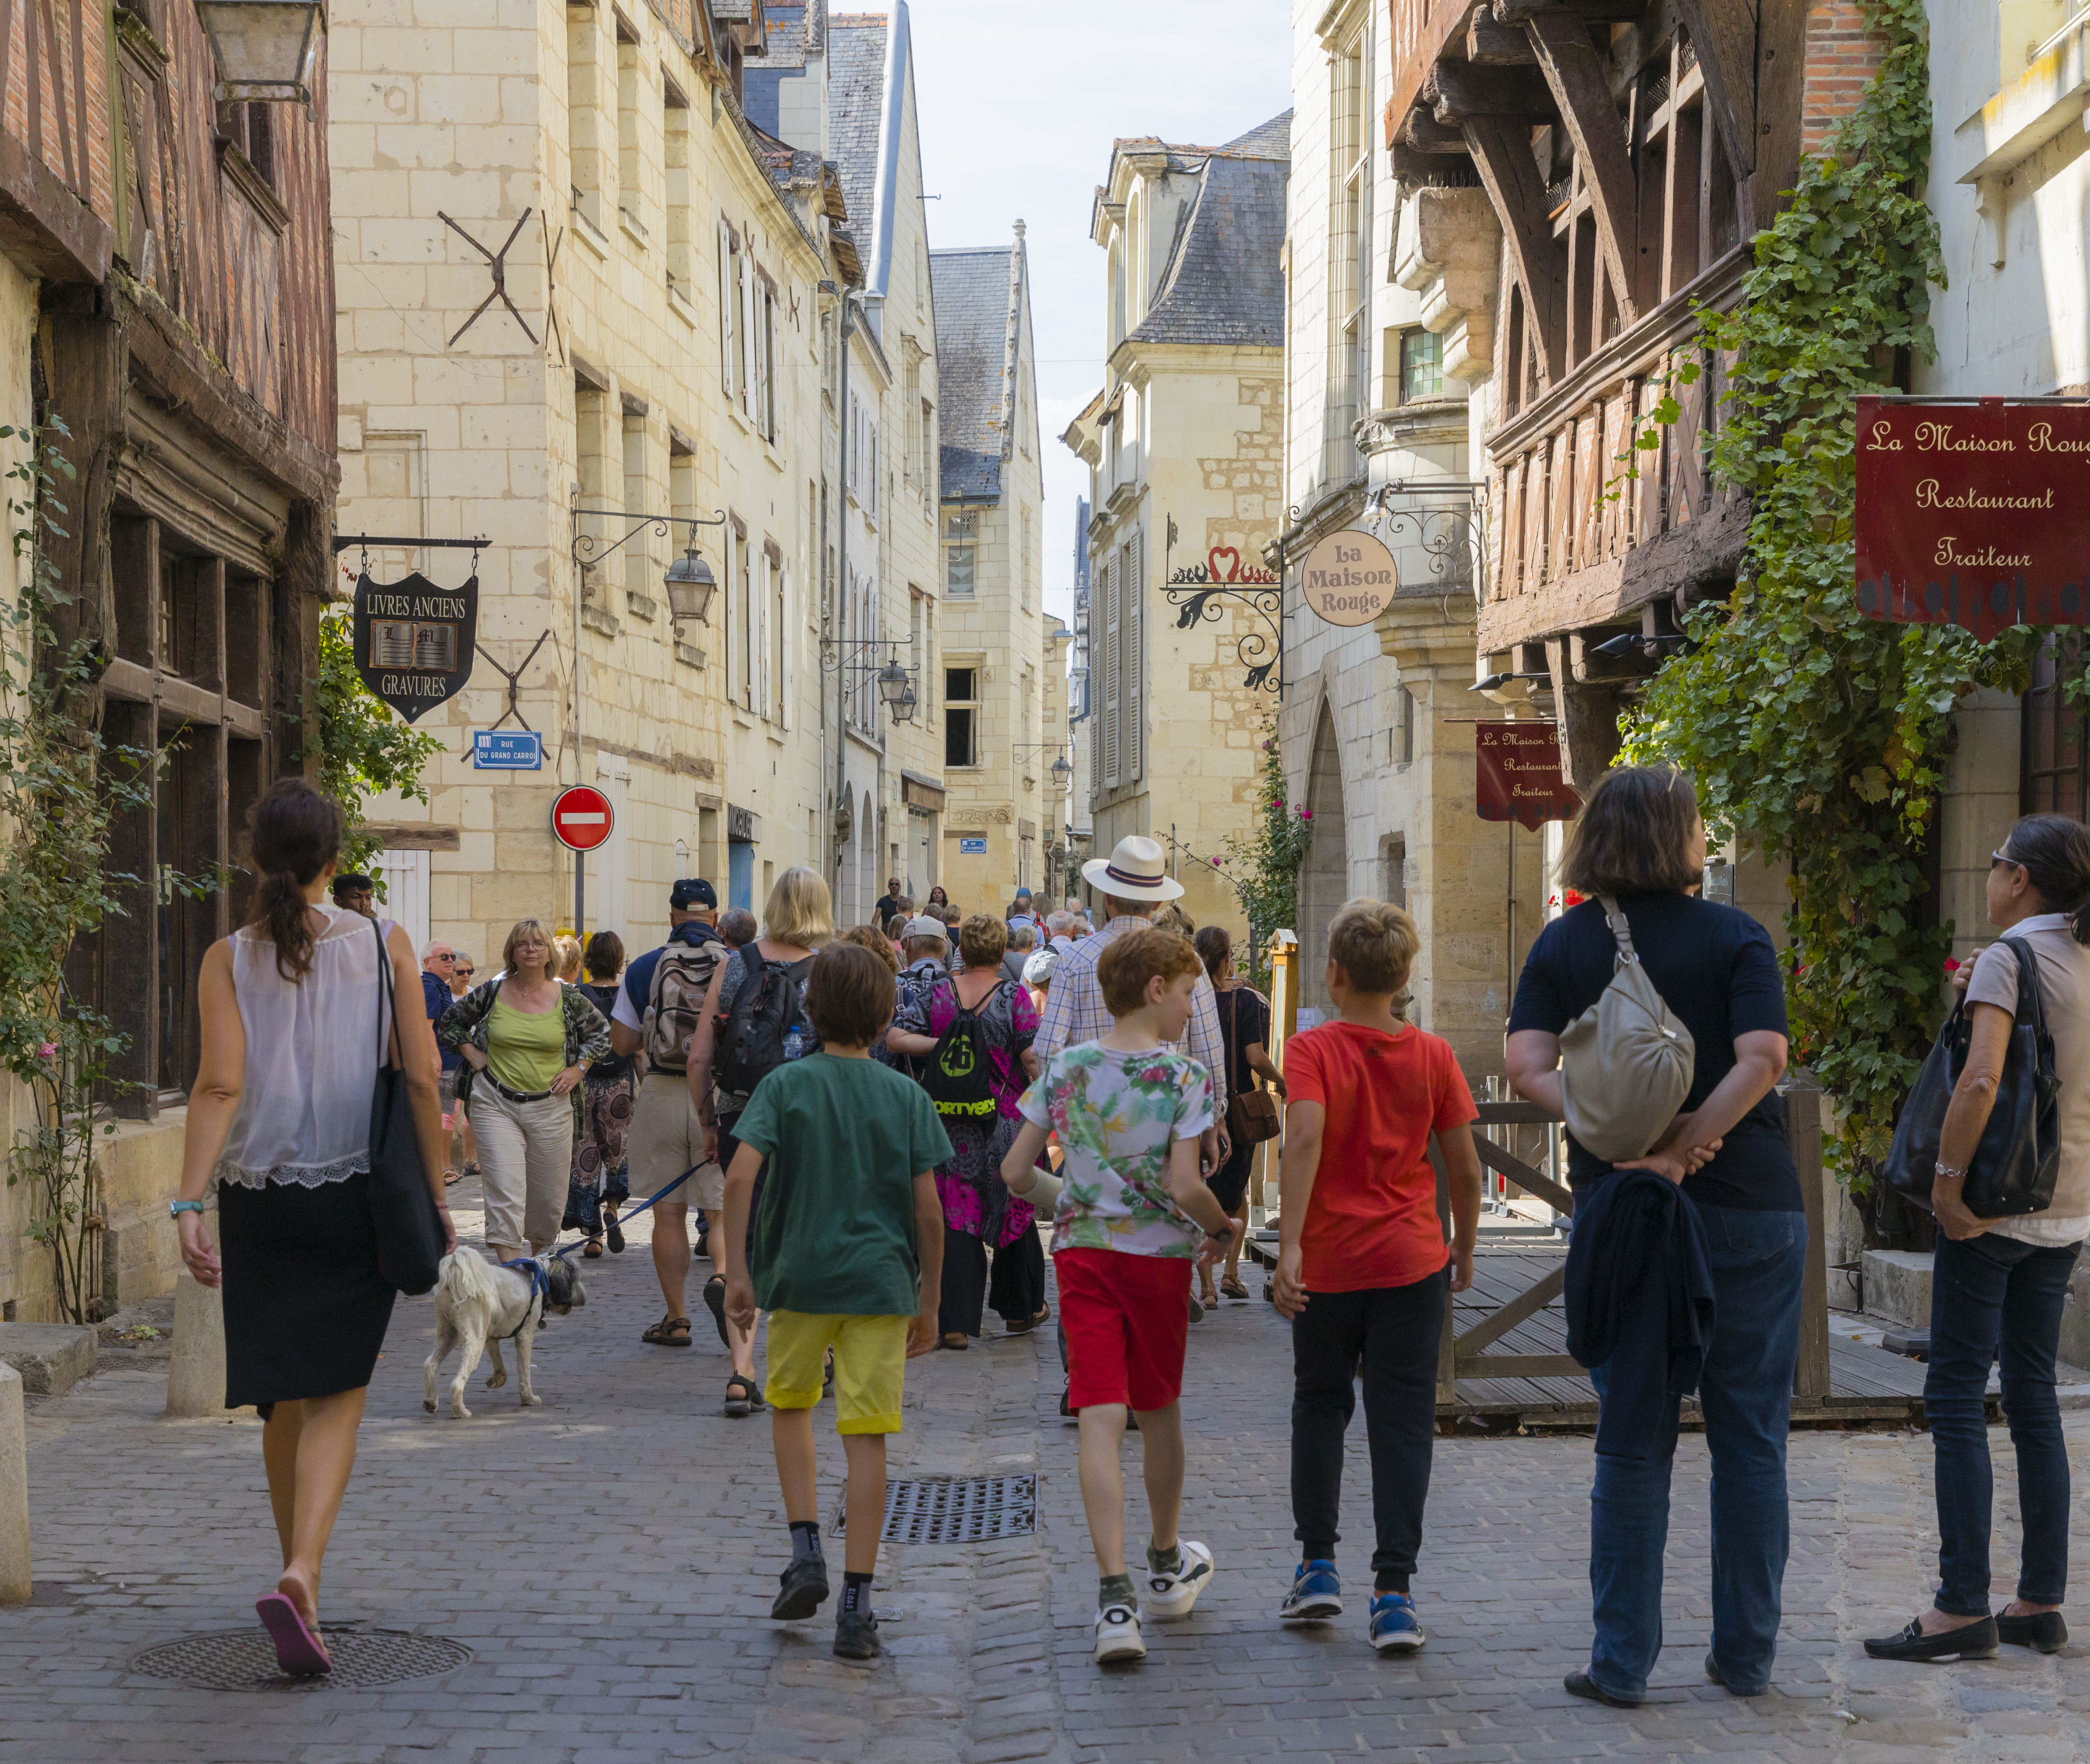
(1019, 104)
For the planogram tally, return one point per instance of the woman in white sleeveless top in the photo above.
(279, 1120)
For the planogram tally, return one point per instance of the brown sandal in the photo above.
(669, 1332)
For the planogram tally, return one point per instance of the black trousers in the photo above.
(964, 1293)
(1017, 1288)
(1392, 1332)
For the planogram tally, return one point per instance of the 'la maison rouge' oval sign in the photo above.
(1348, 578)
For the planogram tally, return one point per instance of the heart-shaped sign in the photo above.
(1232, 571)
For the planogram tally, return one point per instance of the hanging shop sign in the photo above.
(1348, 578)
(1970, 513)
(582, 817)
(414, 641)
(507, 750)
(1517, 774)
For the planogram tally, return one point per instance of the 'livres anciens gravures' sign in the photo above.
(414, 640)
(1517, 774)
(1974, 512)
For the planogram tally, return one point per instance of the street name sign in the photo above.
(507, 750)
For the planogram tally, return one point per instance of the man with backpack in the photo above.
(655, 1012)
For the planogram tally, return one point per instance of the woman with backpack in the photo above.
(754, 1020)
(1639, 847)
(971, 1037)
(2002, 1284)
(600, 1181)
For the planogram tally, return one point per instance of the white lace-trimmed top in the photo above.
(311, 1058)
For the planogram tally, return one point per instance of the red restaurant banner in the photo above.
(1974, 512)
(1517, 774)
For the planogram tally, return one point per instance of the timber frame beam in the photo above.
(1580, 88)
(1502, 154)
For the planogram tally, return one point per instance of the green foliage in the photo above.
(363, 749)
(1810, 728)
(1265, 867)
(61, 788)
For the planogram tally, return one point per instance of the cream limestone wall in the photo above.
(613, 386)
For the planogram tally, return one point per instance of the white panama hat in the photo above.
(1135, 871)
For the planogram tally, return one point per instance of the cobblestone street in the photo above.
(609, 1560)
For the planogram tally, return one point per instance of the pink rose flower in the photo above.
(1306, 814)
(49, 1051)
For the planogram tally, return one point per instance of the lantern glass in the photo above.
(690, 585)
(1061, 772)
(264, 49)
(903, 707)
(892, 685)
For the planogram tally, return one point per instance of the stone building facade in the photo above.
(995, 710)
(1184, 444)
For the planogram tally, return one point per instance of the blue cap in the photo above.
(693, 891)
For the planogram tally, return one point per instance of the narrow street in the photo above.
(607, 1560)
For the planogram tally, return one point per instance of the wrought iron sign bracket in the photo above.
(1199, 593)
(514, 678)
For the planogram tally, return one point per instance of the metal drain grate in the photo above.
(245, 1659)
(960, 1510)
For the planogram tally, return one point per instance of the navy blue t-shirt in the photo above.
(435, 999)
(1715, 968)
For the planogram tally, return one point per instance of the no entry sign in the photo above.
(581, 818)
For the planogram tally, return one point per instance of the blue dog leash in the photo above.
(633, 1213)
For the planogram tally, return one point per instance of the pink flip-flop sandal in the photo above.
(299, 1651)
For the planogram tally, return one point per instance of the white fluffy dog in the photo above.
(481, 1303)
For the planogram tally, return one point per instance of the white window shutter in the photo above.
(746, 327)
(790, 648)
(725, 307)
(1133, 592)
(761, 643)
(1111, 700)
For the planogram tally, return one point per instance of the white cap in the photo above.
(925, 926)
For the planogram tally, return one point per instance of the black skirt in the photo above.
(305, 1308)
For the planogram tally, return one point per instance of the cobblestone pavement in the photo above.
(609, 1560)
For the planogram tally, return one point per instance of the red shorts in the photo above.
(1128, 1320)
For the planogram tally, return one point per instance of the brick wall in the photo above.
(1841, 56)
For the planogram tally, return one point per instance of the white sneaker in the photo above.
(1117, 1634)
(1172, 1595)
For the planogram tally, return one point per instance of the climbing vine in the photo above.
(1812, 730)
(1265, 866)
(363, 749)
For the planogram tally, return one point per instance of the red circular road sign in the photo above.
(581, 818)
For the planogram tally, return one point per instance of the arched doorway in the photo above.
(867, 875)
(1324, 878)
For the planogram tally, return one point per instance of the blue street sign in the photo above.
(507, 750)
(972, 848)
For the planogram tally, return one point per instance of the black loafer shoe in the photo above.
(1581, 1684)
(2043, 1630)
(804, 1590)
(1970, 1642)
(856, 1636)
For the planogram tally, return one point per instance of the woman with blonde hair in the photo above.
(769, 974)
(294, 1023)
(566, 953)
(527, 1042)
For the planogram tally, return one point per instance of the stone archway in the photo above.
(1324, 878)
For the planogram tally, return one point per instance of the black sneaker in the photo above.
(856, 1635)
(805, 1589)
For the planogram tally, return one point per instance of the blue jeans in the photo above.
(1986, 1293)
(1746, 1395)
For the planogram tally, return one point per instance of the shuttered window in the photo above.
(728, 284)
(1110, 699)
(1132, 590)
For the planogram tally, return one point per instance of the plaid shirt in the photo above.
(1074, 1011)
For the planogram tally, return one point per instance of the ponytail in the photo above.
(296, 832)
(2054, 852)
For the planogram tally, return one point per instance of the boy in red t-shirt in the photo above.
(1362, 1267)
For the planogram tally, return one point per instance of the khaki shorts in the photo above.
(666, 1139)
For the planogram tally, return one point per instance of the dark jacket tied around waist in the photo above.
(1640, 1304)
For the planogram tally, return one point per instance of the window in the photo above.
(252, 128)
(629, 196)
(1350, 228)
(741, 679)
(927, 476)
(961, 712)
(1023, 566)
(640, 570)
(1393, 865)
(675, 140)
(1422, 365)
(960, 554)
(584, 117)
(593, 451)
(730, 258)
(911, 463)
(762, 406)
(779, 658)
(2051, 770)
(1400, 737)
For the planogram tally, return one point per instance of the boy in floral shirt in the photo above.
(1133, 1214)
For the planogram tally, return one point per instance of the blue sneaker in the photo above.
(1316, 1594)
(1394, 1630)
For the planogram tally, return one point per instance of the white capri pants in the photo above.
(526, 1155)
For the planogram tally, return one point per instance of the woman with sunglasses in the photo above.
(462, 970)
(2000, 1284)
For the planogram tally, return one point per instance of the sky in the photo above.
(1020, 103)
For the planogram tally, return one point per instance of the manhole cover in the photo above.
(960, 1510)
(245, 1659)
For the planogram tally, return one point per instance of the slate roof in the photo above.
(783, 37)
(976, 367)
(1224, 283)
(856, 108)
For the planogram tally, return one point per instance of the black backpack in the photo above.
(956, 1073)
(767, 1007)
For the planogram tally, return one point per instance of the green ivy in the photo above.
(1265, 866)
(1812, 730)
(363, 749)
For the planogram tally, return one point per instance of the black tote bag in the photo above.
(2014, 1167)
(410, 1228)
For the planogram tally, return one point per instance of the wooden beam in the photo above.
(1492, 45)
(1521, 1365)
(1499, 1323)
(1544, 1187)
(1575, 74)
(1725, 36)
(1502, 155)
(1424, 134)
(1455, 90)
(1410, 164)
(1594, 11)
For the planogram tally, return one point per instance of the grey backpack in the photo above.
(1626, 1063)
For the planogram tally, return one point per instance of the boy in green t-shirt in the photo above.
(850, 1249)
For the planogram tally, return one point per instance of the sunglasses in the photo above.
(1996, 858)
(466, 967)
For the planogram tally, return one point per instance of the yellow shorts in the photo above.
(871, 1367)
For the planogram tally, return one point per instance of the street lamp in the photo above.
(892, 686)
(903, 707)
(690, 585)
(1063, 773)
(264, 48)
